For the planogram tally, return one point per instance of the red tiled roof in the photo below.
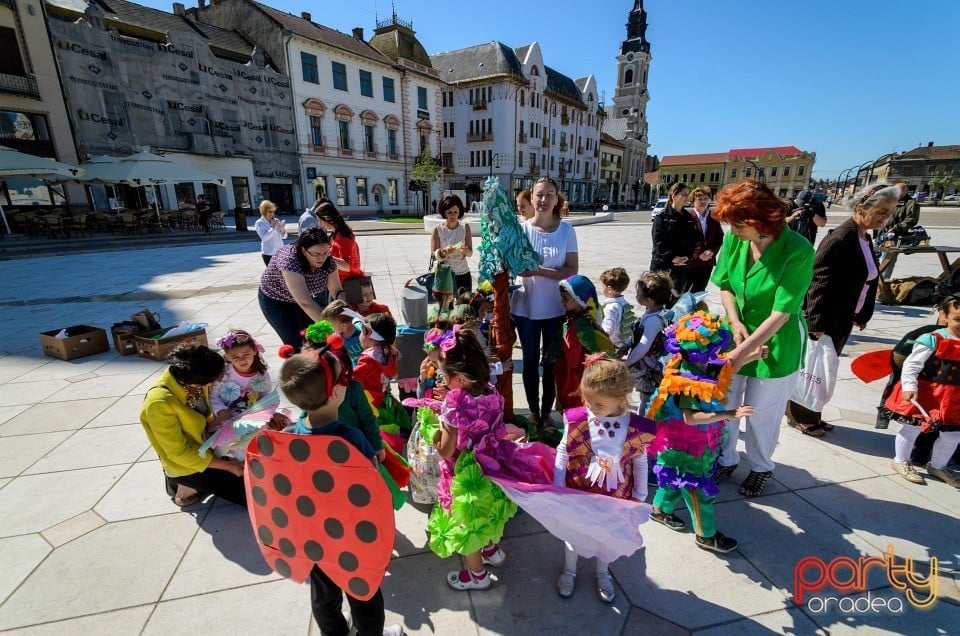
(651, 178)
(686, 160)
(757, 152)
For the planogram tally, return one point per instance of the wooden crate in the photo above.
(160, 349)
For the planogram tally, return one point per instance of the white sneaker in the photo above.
(907, 471)
(465, 580)
(605, 588)
(393, 630)
(944, 475)
(566, 582)
(495, 558)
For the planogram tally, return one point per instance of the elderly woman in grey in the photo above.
(836, 304)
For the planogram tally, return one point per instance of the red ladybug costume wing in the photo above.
(317, 499)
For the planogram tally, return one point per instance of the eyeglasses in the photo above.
(318, 252)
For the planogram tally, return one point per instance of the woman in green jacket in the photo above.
(175, 412)
(763, 273)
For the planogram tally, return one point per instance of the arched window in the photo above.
(534, 71)
(628, 76)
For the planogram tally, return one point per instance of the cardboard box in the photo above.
(125, 343)
(160, 349)
(81, 340)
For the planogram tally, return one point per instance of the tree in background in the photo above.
(426, 171)
(943, 184)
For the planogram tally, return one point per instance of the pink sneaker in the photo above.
(465, 580)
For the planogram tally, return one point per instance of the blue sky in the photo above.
(849, 79)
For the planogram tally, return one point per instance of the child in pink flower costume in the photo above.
(471, 510)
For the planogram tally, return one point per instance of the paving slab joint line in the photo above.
(61, 620)
(632, 608)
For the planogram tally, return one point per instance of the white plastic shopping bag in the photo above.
(818, 377)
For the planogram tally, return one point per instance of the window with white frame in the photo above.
(362, 191)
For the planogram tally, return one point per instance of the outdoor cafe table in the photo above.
(892, 251)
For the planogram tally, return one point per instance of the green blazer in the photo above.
(776, 282)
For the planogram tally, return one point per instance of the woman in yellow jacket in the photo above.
(175, 413)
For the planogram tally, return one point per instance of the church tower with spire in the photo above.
(628, 121)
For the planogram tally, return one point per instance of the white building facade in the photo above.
(506, 114)
(362, 117)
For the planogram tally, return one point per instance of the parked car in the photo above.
(658, 208)
(952, 197)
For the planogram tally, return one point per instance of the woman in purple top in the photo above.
(295, 275)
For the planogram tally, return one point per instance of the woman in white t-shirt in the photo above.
(536, 306)
(270, 229)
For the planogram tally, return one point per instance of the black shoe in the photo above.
(670, 520)
(717, 543)
(723, 472)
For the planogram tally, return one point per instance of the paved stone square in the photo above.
(90, 544)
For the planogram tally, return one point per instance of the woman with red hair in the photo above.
(763, 273)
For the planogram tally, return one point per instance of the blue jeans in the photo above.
(287, 319)
(532, 333)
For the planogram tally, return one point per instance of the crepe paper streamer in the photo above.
(872, 365)
(398, 497)
(236, 433)
(316, 500)
(397, 466)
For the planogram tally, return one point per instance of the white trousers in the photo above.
(943, 448)
(768, 397)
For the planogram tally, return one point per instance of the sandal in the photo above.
(827, 426)
(723, 472)
(189, 500)
(813, 430)
(754, 484)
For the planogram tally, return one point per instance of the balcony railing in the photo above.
(23, 85)
(479, 106)
(487, 136)
(533, 170)
(579, 150)
(604, 163)
(545, 141)
(318, 150)
(563, 146)
(392, 156)
(371, 151)
(565, 120)
(586, 175)
(522, 137)
(344, 152)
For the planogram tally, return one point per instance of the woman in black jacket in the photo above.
(674, 236)
(835, 303)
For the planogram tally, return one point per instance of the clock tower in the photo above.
(631, 96)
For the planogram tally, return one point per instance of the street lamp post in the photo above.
(856, 180)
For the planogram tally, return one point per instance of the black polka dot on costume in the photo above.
(286, 546)
(334, 528)
(358, 586)
(299, 450)
(305, 506)
(358, 495)
(265, 444)
(279, 517)
(282, 484)
(348, 561)
(322, 481)
(256, 468)
(313, 550)
(282, 568)
(266, 537)
(366, 532)
(259, 496)
(338, 451)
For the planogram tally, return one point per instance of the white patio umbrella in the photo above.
(20, 164)
(145, 169)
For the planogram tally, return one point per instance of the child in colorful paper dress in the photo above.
(375, 368)
(471, 510)
(928, 398)
(314, 381)
(421, 453)
(242, 399)
(579, 337)
(654, 294)
(690, 414)
(603, 451)
(348, 324)
(618, 315)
